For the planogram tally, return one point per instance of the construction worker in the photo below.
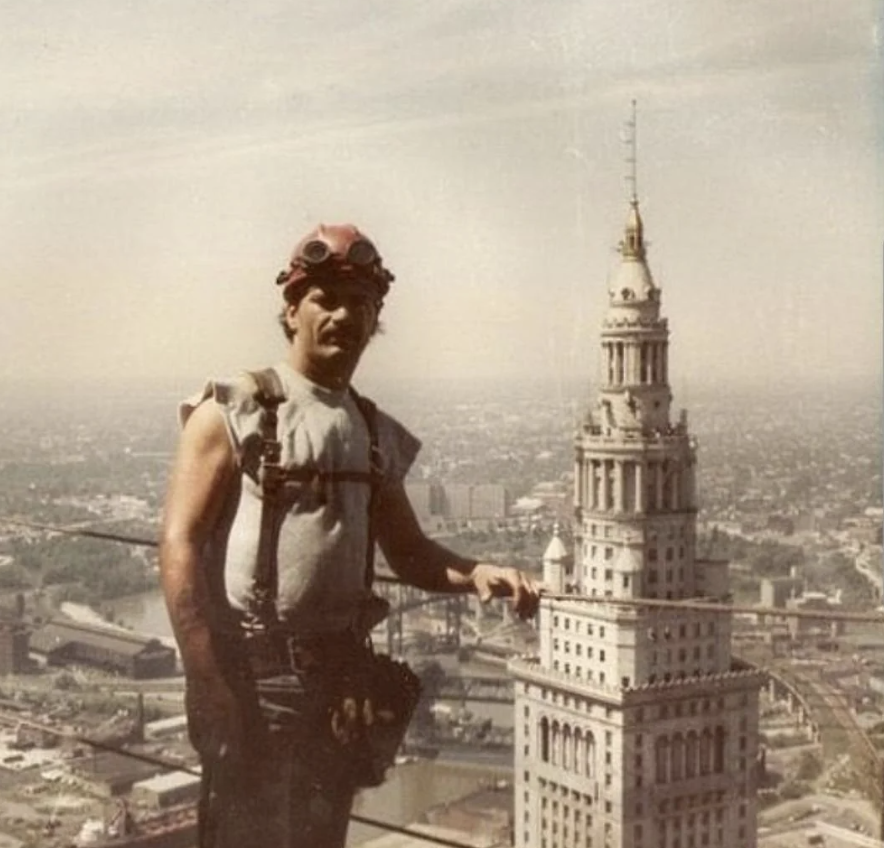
(282, 482)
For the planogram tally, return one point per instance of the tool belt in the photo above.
(361, 702)
(274, 653)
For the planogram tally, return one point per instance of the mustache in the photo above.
(342, 335)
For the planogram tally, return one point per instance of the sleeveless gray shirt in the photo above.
(323, 539)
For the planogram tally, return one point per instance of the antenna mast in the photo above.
(632, 158)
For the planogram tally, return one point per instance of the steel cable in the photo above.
(654, 603)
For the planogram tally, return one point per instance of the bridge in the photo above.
(489, 690)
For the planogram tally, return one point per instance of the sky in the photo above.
(159, 161)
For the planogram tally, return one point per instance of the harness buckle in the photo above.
(300, 657)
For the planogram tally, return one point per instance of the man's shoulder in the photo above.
(238, 393)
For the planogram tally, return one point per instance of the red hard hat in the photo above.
(334, 250)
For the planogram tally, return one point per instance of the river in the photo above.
(413, 788)
(145, 613)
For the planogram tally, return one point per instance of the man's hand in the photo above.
(423, 562)
(214, 718)
(494, 581)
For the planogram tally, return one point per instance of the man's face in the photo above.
(333, 322)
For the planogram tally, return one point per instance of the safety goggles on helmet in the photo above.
(317, 252)
(336, 249)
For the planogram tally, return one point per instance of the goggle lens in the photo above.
(361, 252)
(317, 252)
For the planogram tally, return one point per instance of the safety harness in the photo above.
(274, 481)
(370, 698)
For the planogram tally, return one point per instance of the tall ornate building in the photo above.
(633, 730)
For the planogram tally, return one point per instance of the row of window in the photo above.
(553, 837)
(702, 706)
(607, 531)
(577, 672)
(690, 831)
(668, 631)
(646, 360)
(578, 649)
(573, 750)
(665, 632)
(670, 575)
(566, 623)
(652, 553)
(680, 757)
(681, 654)
(683, 757)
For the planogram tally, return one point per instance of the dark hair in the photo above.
(293, 295)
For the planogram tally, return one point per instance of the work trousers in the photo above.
(292, 788)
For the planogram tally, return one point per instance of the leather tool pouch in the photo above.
(393, 691)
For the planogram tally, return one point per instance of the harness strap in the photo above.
(270, 395)
(273, 479)
(369, 412)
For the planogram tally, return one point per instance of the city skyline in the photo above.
(158, 168)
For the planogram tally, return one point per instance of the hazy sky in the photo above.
(160, 159)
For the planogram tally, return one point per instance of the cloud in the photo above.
(99, 80)
(160, 156)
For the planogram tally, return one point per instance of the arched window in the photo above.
(691, 754)
(556, 744)
(676, 759)
(661, 750)
(567, 750)
(590, 755)
(705, 751)
(718, 750)
(544, 739)
(579, 751)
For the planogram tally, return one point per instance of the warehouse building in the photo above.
(167, 790)
(63, 643)
(109, 774)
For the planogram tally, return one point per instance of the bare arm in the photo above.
(201, 476)
(424, 563)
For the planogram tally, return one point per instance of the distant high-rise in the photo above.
(632, 729)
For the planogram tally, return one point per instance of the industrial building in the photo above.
(167, 790)
(109, 774)
(62, 643)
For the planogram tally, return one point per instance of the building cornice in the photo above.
(529, 670)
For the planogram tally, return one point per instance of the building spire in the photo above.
(633, 244)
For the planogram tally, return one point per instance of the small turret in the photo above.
(557, 564)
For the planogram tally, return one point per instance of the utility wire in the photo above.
(81, 531)
(713, 606)
(652, 603)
